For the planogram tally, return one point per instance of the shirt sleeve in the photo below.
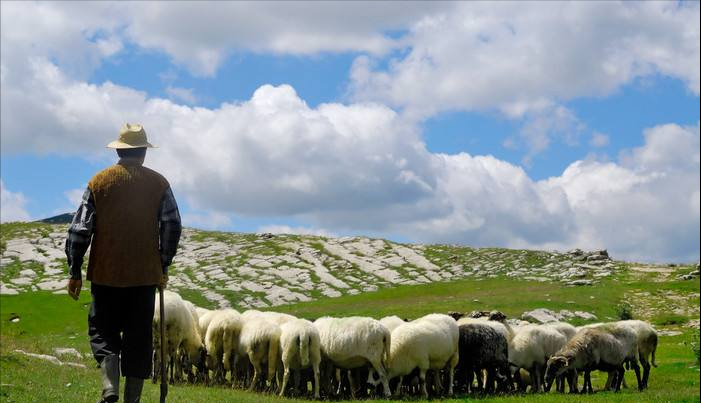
(170, 229)
(80, 234)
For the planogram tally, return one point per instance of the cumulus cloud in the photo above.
(185, 95)
(206, 220)
(599, 139)
(362, 167)
(646, 205)
(12, 205)
(525, 60)
(79, 34)
(516, 56)
(74, 196)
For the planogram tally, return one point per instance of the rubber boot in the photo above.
(132, 389)
(110, 379)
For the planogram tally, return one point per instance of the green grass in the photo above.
(48, 321)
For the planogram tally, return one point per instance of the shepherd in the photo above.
(129, 216)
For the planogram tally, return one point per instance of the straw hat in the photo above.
(131, 136)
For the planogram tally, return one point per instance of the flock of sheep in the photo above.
(436, 354)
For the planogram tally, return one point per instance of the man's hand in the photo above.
(164, 282)
(74, 287)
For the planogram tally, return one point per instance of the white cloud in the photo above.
(361, 168)
(79, 34)
(286, 229)
(186, 95)
(599, 139)
(645, 207)
(525, 59)
(74, 197)
(206, 220)
(12, 205)
(518, 55)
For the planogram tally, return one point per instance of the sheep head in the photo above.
(556, 366)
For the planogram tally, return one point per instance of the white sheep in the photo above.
(205, 318)
(181, 333)
(564, 328)
(424, 344)
(300, 347)
(391, 322)
(201, 311)
(355, 341)
(221, 341)
(259, 343)
(530, 349)
(277, 318)
(451, 328)
(647, 345)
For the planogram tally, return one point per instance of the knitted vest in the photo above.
(125, 245)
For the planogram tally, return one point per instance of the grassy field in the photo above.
(47, 321)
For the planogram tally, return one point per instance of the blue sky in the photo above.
(383, 124)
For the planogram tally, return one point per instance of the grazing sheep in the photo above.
(498, 326)
(424, 344)
(221, 341)
(588, 350)
(391, 322)
(628, 335)
(449, 326)
(300, 347)
(205, 318)
(201, 311)
(530, 349)
(259, 343)
(355, 341)
(565, 329)
(272, 317)
(647, 345)
(481, 347)
(181, 335)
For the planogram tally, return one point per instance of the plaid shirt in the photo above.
(81, 230)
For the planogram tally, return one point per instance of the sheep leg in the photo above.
(587, 382)
(380, 369)
(285, 378)
(451, 379)
(618, 378)
(398, 391)
(572, 380)
(479, 379)
(636, 368)
(422, 378)
(316, 381)
(256, 375)
(535, 379)
(491, 378)
(338, 379)
(470, 376)
(646, 370)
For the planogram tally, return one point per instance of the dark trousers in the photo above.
(120, 322)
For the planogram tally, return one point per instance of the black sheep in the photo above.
(482, 348)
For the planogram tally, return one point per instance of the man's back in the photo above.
(125, 248)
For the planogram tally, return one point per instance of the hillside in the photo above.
(44, 354)
(261, 270)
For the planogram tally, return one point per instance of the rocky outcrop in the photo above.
(543, 315)
(263, 270)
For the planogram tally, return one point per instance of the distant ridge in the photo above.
(65, 218)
